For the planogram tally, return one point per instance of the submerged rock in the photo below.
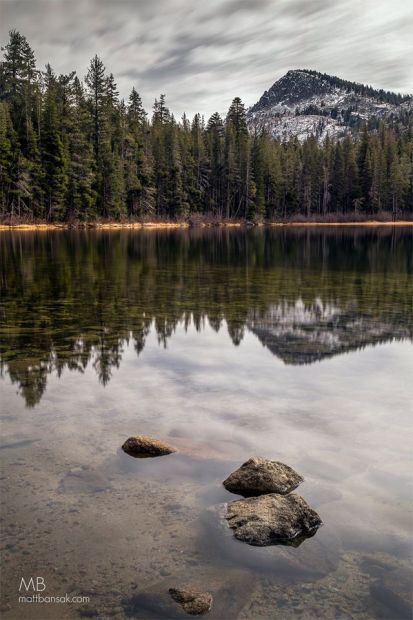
(83, 480)
(230, 588)
(192, 601)
(272, 519)
(393, 592)
(143, 446)
(259, 476)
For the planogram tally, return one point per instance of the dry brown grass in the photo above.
(198, 223)
(359, 223)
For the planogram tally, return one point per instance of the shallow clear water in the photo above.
(289, 344)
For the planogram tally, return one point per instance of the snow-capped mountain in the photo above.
(305, 102)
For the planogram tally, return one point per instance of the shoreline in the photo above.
(42, 226)
(365, 223)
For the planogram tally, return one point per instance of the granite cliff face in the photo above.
(305, 102)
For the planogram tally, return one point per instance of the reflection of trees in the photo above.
(70, 299)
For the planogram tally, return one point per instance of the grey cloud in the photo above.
(304, 9)
(203, 54)
(234, 6)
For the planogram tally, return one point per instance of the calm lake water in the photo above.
(289, 344)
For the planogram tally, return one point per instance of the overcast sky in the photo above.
(202, 53)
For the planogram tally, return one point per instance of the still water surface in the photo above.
(289, 344)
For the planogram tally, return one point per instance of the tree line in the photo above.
(73, 150)
(361, 89)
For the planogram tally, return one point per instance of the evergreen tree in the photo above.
(237, 160)
(18, 77)
(5, 156)
(216, 157)
(81, 195)
(136, 113)
(137, 159)
(53, 160)
(96, 83)
(257, 207)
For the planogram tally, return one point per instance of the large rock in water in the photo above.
(192, 601)
(143, 446)
(259, 476)
(272, 519)
(315, 558)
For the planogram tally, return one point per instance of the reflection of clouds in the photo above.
(345, 427)
(233, 46)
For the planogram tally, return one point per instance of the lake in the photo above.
(288, 343)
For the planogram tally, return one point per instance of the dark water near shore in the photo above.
(290, 344)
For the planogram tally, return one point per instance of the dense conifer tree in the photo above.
(53, 159)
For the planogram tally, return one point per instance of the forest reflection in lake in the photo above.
(73, 298)
(291, 344)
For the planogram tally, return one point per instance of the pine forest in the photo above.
(72, 150)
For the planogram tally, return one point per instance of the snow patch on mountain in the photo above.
(304, 103)
(289, 126)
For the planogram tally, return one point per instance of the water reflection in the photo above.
(73, 299)
(96, 522)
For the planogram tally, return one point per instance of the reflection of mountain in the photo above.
(300, 334)
(76, 299)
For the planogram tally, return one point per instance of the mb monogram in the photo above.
(35, 584)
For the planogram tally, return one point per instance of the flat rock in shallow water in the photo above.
(143, 446)
(192, 601)
(259, 476)
(272, 519)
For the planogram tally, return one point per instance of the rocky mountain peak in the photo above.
(295, 86)
(304, 102)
